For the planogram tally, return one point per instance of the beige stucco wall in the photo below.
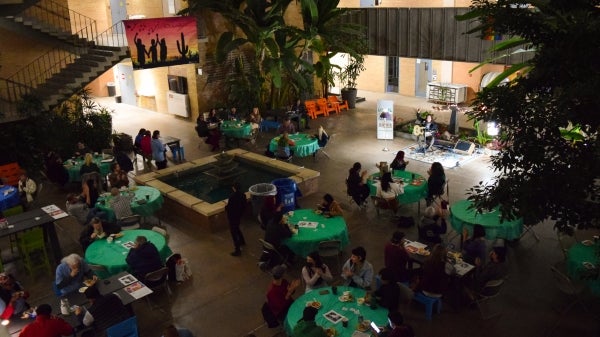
(375, 78)
(407, 76)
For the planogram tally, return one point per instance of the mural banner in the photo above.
(162, 42)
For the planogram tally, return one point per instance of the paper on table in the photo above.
(127, 279)
(138, 290)
(333, 316)
(308, 224)
(54, 211)
(128, 244)
(415, 244)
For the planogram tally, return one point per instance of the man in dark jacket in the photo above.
(143, 258)
(235, 209)
(104, 312)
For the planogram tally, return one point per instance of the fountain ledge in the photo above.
(212, 215)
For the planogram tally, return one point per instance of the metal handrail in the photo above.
(57, 16)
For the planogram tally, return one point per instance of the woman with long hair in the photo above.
(435, 182)
(389, 190)
(315, 273)
(434, 279)
(399, 163)
(357, 189)
(88, 165)
(330, 207)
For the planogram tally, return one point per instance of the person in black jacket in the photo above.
(96, 230)
(235, 208)
(143, 258)
(104, 312)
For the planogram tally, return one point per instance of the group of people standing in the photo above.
(151, 147)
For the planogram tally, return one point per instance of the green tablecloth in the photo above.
(331, 302)
(307, 240)
(412, 192)
(236, 129)
(576, 256)
(305, 146)
(153, 203)
(112, 255)
(460, 217)
(74, 165)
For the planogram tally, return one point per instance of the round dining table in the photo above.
(462, 216)
(73, 166)
(112, 255)
(415, 186)
(314, 228)
(236, 129)
(583, 263)
(305, 144)
(147, 200)
(9, 197)
(332, 302)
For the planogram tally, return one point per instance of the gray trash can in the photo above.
(112, 89)
(258, 193)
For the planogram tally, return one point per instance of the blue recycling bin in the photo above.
(287, 192)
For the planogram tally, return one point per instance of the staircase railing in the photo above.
(59, 17)
(28, 78)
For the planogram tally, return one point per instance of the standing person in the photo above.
(138, 138)
(388, 294)
(300, 109)
(146, 147)
(235, 209)
(357, 271)
(307, 327)
(435, 182)
(27, 189)
(434, 279)
(158, 151)
(356, 184)
(315, 273)
(396, 258)
(90, 192)
(46, 325)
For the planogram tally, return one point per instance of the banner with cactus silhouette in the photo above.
(162, 42)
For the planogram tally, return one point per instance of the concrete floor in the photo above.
(225, 295)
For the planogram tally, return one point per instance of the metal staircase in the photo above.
(81, 56)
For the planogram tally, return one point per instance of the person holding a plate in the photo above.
(307, 327)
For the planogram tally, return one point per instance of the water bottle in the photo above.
(65, 308)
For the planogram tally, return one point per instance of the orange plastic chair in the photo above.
(325, 107)
(311, 109)
(333, 102)
(341, 105)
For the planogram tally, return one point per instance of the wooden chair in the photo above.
(325, 107)
(340, 104)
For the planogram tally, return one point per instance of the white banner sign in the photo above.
(385, 119)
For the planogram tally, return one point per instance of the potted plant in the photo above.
(348, 76)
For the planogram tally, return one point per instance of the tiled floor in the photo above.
(224, 297)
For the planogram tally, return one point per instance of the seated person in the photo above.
(143, 258)
(117, 177)
(300, 109)
(47, 325)
(81, 149)
(277, 230)
(397, 327)
(388, 295)
(432, 226)
(315, 273)
(307, 325)
(201, 127)
(287, 127)
(96, 230)
(330, 207)
(80, 210)
(254, 118)
(356, 184)
(430, 129)
(399, 163)
(389, 190)
(88, 165)
(27, 189)
(322, 137)
(104, 311)
(474, 248)
(494, 269)
(357, 271)
(55, 170)
(13, 295)
(121, 204)
(214, 134)
(70, 274)
(279, 297)
(233, 115)
(283, 146)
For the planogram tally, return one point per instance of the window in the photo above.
(393, 74)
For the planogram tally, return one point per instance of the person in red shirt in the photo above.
(46, 325)
(396, 258)
(279, 296)
(146, 147)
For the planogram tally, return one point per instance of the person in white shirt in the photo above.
(315, 273)
(27, 189)
(389, 190)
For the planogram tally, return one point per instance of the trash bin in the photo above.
(258, 193)
(287, 192)
(112, 89)
(118, 99)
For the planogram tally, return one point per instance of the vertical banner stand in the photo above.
(385, 121)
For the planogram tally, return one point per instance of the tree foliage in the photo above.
(550, 166)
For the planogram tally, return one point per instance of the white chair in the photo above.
(162, 232)
(484, 298)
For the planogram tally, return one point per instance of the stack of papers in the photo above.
(308, 224)
(54, 211)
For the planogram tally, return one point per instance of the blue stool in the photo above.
(429, 302)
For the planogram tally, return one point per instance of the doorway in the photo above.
(422, 76)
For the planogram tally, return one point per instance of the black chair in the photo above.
(271, 256)
(157, 281)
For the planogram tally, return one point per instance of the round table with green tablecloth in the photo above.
(236, 129)
(147, 200)
(461, 216)
(308, 237)
(415, 188)
(583, 263)
(305, 146)
(331, 302)
(74, 165)
(112, 255)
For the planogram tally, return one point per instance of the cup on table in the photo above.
(109, 239)
(412, 176)
(334, 290)
(344, 322)
(147, 196)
